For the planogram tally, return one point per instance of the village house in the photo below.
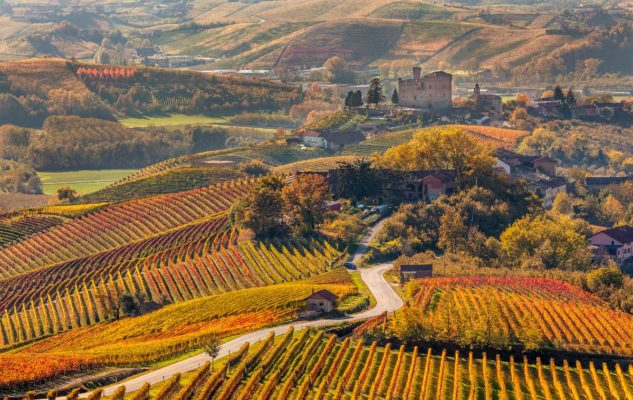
(415, 271)
(426, 185)
(615, 243)
(548, 189)
(321, 301)
(432, 92)
(331, 140)
(519, 165)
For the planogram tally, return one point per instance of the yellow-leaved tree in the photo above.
(445, 147)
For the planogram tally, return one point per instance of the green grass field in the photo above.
(173, 120)
(83, 182)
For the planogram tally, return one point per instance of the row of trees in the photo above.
(275, 208)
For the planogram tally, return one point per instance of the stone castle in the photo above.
(432, 92)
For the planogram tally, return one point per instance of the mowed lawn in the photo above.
(173, 120)
(83, 182)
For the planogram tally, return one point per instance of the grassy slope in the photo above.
(83, 182)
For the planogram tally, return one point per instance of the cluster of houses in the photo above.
(550, 108)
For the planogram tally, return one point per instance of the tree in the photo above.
(558, 94)
(212, 348)
(604, 277)
(570, 100)
(349, 99)
(441, 148)
(394, 97)
(261, 210)
(129, 304)
(357, 99)
(374, 93)
(356, 180)
(345, 227)
(66, 194)
(304, 201)
(547, 242)
(453, 231)
(337, 70)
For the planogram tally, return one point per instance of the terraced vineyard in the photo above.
(171, 330)
(270, 153)
(14, 227)
(173, 180)
(379, 144)
(322, 164)
(175, 267)
(535, 312)
(116, 226)
(311, 365)
(495, 137)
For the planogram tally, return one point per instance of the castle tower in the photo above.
(417, 73)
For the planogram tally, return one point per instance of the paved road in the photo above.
(386, 300)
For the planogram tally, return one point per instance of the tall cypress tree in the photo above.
(374, 93)
(394, 97)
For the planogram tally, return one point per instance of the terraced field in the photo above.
(379, 144)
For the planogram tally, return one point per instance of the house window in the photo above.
(321, 303)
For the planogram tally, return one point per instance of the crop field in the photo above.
(312, 365)
(535, 312)
(172, 330)
(495, 137)
(118, 225)
(83, 182)
(14, 227)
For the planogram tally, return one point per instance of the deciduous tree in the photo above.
(304, 201)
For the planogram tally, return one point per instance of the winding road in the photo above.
(386, 300)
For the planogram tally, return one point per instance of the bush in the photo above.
(604, 277)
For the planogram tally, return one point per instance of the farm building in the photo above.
(415, 271)
(321, 301)
(615, 243)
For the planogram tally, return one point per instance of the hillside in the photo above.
(315, 365)
(172, 330)
(59, 87)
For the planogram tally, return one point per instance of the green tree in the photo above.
(558, 94)
(604, 277)
(349, 99)
(546, 241)
(304, 201)
(570, 100)
(261, 210)
(66, 194)
(394, 97)
(357, 99)
(374, 93)
(356, 180)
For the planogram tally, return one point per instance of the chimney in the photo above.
(417, 73)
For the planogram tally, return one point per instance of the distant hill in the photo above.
(31, 90)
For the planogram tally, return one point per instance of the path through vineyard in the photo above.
(386, 300)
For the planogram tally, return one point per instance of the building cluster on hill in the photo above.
(538, 171)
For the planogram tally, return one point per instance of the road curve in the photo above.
(386, 300)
